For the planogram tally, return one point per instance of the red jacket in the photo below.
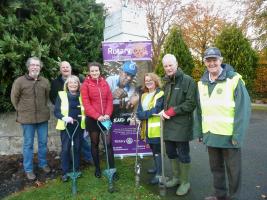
(96, 97)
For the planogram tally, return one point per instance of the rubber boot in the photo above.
(153, 169)
(155, 179)
(184, 178)
(174, 181)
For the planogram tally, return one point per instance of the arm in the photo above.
(142, 115)
(47, 92)
(197, 122)
(15, 94)
(109, 106)
(189, 103)
(89, 110)
(242, 112)
(57, 110)
(53, 93)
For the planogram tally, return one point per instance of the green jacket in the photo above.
(180, 94)
(30, 99)
(241, 117)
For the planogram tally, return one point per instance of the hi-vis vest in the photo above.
(218, 109)
(153, 121)
(65, 110)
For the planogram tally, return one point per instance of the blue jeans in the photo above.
(28, 134)
(86, 148)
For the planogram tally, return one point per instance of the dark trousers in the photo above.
(155, 148)
(221, 158)
(66, 156)
(178, 150)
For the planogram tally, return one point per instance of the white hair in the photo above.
(170, 57)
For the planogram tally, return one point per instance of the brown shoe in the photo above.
(30, 176)
(46, 169)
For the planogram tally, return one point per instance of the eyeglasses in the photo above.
(37, 65)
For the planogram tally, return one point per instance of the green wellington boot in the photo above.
(174, 181)
(184, 178)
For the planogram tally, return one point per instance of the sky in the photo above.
(226, 6)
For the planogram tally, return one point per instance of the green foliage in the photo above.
(237, 51)
(53, 30)
(174, 44)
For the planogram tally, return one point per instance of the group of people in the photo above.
(216, 110)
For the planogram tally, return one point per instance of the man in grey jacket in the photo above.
(29, 96)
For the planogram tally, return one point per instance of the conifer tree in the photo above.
(238, 52)
(174, 44)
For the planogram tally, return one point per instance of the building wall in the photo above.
(11, 136)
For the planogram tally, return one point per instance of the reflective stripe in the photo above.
(153, 121)
(154, 124)
(65, 110)
(218, 109)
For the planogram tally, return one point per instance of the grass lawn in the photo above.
(91, 188)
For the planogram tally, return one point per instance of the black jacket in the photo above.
(56, 85)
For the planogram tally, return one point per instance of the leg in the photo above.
(65, 152)
(28, 136)
(77, 147)
(95, 152)
(110, 149)
(157, 157)
(153, 169)
(42, 131)
(184, 157)
(173, 156)
(86, 148)
(217, 168)
(233, 167)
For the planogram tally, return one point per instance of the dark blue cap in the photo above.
(212, 52)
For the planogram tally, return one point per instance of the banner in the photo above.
(121, 51)
(124, 141)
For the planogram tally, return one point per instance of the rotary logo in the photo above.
(129, 140)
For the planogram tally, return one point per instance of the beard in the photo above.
(34, 74)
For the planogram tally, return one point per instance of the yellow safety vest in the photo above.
(153, 121)
(218, 109)
(65, 110)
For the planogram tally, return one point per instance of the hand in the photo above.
(133, 101)
(119, 93)
(67, 120)
(234, 142)
(163, 115)
(106, 117)
(101, 118)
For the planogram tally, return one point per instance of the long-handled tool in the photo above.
(162, 179)
(109, 172)
(137, 166)
(73, 175)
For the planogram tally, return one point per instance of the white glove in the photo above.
(67, 119)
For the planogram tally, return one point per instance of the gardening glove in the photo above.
(67, 120)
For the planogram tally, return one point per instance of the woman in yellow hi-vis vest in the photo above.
(151, 102)
(68, 107)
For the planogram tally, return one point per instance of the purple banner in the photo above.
(120, 51)
(124, 141)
